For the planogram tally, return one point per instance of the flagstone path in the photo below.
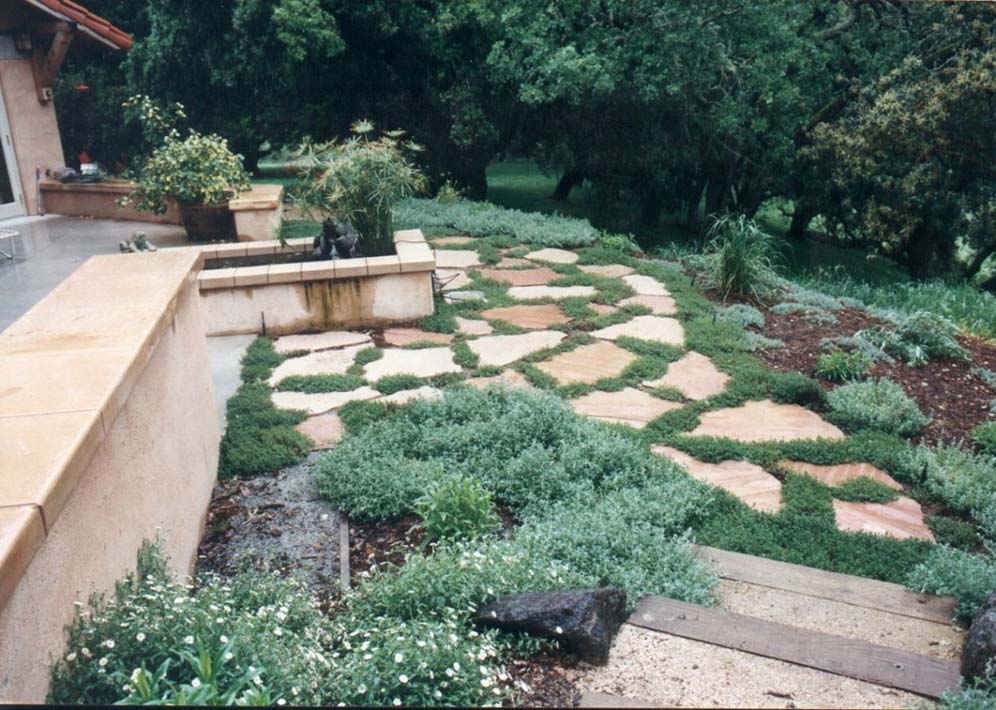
(427, 362)
(628, 406)
(456, 258)
(553, 256)
(407, 336)
(530, 317)
(588, 363)
(841, 473)
(528, 293)
(656, 328)
(319, 341)
(766, 421)
(748, 482)
(522, 277)
(694, 376)
(658, 305)
(498, 350)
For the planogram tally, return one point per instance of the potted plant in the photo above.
(358, 181)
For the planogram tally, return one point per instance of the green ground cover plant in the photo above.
(880, 404)
(840, 365)
(456, 509)
(984, 437)
(965, 481)
(320, 383)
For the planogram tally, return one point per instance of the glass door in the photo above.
(11, 198)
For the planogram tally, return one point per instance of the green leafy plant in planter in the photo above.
(359, 181)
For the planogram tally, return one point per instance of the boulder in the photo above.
(583, 621)
(979, 652)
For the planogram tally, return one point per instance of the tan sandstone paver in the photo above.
(658, 305)
(471, 326)
(765, 421)
(532, 317)
(646, 285)
(628, 406)
(452, 279)
(450, 241)
(659, 329)
(902, 518)
(323, 362)
(522, 277)
(405, 396)
(406, 336)
(527, 293)
(509, 379)
(498, 350)
(694, 376)
(840, 473)
(427, 362)
(325, 430)
(554, 256)
(748, 482)
(456, 258)
(319, 341)
(610, 270)
(511, 262)
(321, 402)
(588, 363)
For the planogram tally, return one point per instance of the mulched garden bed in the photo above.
(551, 679)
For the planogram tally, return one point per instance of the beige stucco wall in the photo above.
(33, 126)
(99, 200)
(153, 473)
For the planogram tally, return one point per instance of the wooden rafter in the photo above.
(45, 65)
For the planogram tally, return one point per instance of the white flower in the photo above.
(486, 682)
(403, 678)
(189, 640)
(278, 631)
(229, 656)
(362, 689)
(224, 639)
(420, 644)
(398, 657)
(437, 694)
(558, 630)
(86, 652)
(456, 665)
(103, 661)
(257, 680)
(109, 643)
(281, 702)
(135, 675)
(71, 657)
(295, 691)
(281, 616)
(139, 637)
(195, 683)
(397, 701)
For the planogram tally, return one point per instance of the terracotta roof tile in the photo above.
(83, 17)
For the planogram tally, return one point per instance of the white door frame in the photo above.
(17, 207)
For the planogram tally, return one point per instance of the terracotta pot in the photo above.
(208, 223)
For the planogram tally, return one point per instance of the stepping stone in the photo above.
(588, 363)
(406, 336)
(427, 362)
(323, 362)
(325, 430)
(527, 293)
(694, 376)
(840, 473)
(658, 305)
(509, 379)
(448, 241)
(610, 270)
(656, 328)
(554, 256)
(522, 277)
(510, 262)
(319, 341)
(405, 396)
(321, 402)
(902, 518)
(452, 279)
(766, 421)
(531, 317)
(459, 296)
(629, 406)
(470, 326)
(748, 482)
(456, 258)
(602, 309)
(646, 285)
(499, 350)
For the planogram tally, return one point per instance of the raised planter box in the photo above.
(284, 298)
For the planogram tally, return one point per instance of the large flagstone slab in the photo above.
(499, 350)
(628, 406)
(328, 340)
(527, 293)
(658, 305)
(646, 285)
(427, 362)
(766, 421)
(405, 396)
(326, 430)
(456, 259)
(531, 317)
(509, 379)
(323, 362)
(902, 518)
(407, 336)
(610, 270)
(748, 482)
(321, 402)
(841, 473)
(588, 363)
(511, 262)
(659, 329)
(554, 256)
(452, 279)
(472, 326)
(694, 376)
(522, 277)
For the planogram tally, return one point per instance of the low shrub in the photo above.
(963, 480)
(742, 314)
(981, 697)
(984, 437)
(881, 405)
(618, 242)
(842, 366)
(917, 337)
(456, 509)
(970, 578)
(955, 533)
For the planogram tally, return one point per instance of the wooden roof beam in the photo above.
(45, 65)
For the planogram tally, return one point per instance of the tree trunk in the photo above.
(801, 218)
(979, 259)
(650, 208)
(568, 181)
(692, 217)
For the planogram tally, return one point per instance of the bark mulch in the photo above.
(550, 679)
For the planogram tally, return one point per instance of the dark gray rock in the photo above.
(337, 241)
(978, 655)
(583, 621)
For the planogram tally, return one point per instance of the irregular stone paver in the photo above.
(588, 363)
(610, 270)
(602, 309)
(323, 362)
(646, 285)
(748, 482)
(902, 518)
(694, 376)
(452, 279)
(840, 473)
(405, 396)
(319, 341)
(325, 430)
(656, 328)
(766, 421)
(406, 336)
(554, 256)
(511, 262)
(526, 293)
(458, 296)
(498, 350)
(658, 305)
(470, 326)
(456, 258)
(628, 406)
(509, 378)
(321, 402)
(449, 241)
(427, 362)
(531, 317)
(522, 277)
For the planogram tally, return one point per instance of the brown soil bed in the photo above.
(550, 678)
(263, 260)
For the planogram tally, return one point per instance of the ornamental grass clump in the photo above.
(740, 258)
(881, 405)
